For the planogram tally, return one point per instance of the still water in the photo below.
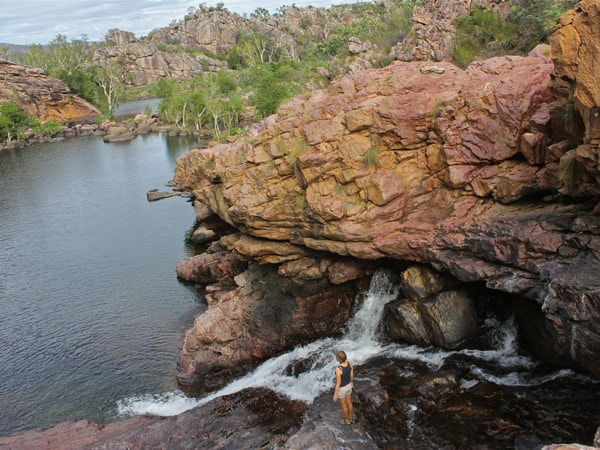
(91, 310)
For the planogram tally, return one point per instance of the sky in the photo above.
(28, 22)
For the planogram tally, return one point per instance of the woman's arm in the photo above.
(338, 382)
(351, 374)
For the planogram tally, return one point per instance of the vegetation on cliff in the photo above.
(255, 63)
(14, 122)
(483, 32)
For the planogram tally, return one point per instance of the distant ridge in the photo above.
(12, 48)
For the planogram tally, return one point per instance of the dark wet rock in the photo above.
(322, 429)
(468, 413)
(256, 317)
(154, 195)
(445, 319)
(398, 404)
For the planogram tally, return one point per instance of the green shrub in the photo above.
(13, 121)
(481, 33)
(47, 128)
(371, 157)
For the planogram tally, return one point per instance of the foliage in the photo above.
(384, 26)
(81, 82)
(271, 88)
(533, 19)
(483, 33)
(60, 56)
(206, 100)
(109, 79)
(46, 128)
(260, 13)
(337, 42)
(13, 121)
(371, 157)
(297, 149)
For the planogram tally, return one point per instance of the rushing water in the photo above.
(509, 366)
(91, 308)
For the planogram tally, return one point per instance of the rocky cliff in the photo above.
(44, 97)
(194, 44)
(488, 176)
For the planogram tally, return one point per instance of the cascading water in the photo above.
(361, 344)
(359, 341)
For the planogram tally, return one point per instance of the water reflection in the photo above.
(91, 306)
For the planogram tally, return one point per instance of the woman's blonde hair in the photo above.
(341, 356)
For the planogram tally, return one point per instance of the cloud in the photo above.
(39, 21)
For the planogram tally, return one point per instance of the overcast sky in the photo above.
(39, 21)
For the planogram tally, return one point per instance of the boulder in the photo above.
(44, 97)
(445, 319)
(118, 133)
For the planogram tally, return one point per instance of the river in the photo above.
(92, 311)
(93, 316)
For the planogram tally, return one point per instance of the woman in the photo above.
(344, 376)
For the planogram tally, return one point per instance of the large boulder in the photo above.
(254, 312)
(43, 97)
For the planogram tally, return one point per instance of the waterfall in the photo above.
(360, 344)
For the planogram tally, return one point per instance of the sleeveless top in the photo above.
(345, 374)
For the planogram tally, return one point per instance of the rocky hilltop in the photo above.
(198, 42)
(44, 97)
(483, 177)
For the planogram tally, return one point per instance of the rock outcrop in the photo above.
(44, 97)
(144, 62)
(432, 33)
(472, 172)
(255, 311)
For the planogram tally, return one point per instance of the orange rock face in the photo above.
(428, 164)
(41, 96)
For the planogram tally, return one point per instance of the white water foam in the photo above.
(359, 341)
(361, 344)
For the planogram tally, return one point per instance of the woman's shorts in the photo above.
(345, 391)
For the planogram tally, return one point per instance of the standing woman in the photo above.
(344, 376)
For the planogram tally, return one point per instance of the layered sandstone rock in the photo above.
(144, 63)
(445, 167)
(44, 97)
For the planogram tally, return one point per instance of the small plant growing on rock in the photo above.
(437, 109)
(209, 164)
(371, 157)
(297, 148)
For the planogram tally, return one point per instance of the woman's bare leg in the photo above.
(347, 408)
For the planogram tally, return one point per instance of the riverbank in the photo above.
(113, 131)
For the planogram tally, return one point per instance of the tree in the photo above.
(270, 91)
(260, 13)
(257, 48)
(109, 79)
(60, 56)
(13, 121)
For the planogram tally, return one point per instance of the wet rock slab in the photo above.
(252, 418)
